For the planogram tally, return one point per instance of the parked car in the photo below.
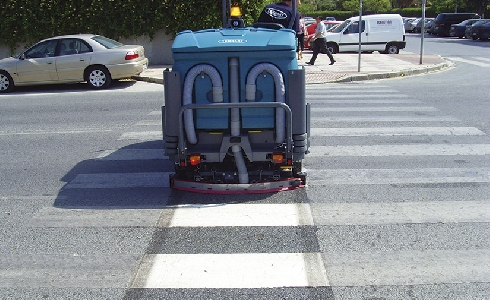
(73, 58)
(410, 27)
(407, 23)
(443, 21)
(458, 30)
(379, 32)
(418, 26)
(428, 26)
(329, 25)
(309, 21)
(467, 31)
(480, 30)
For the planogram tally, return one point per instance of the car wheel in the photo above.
(6, 82)
(98, 77)
(332, 48)
(392, 49)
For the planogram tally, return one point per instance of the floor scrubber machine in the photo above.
(235, 119)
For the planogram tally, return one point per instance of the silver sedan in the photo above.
(89, 58)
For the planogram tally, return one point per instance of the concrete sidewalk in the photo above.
(373, 66)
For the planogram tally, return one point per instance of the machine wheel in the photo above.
(6, 82)
(98, 77)
(392, 49)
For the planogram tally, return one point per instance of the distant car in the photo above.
(407, 23)
(70, 59)
(481, 30)
(418, 26)
(443, 21)
(467, 31)
(411, 25)
(458, 30)
(309, 21)
(428, 25)
(329, 25)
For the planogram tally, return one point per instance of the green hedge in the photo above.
(24, 21)
(342, 15)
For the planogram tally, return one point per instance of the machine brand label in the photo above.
(275, 13)
(232, 41)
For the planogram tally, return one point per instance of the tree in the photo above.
(368, 5)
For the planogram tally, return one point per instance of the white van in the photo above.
(384, 33)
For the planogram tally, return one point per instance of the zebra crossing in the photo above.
(476, 61)
(314, 238)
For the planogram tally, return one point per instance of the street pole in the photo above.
(422, 31)
(360, 40)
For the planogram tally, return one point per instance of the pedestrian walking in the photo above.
(319, 42)
(300, 35)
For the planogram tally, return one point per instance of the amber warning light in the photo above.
(235, 12)
(235, 20)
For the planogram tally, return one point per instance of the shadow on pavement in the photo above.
(97, 191)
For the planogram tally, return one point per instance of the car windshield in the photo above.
(341, 26)
(106, 42)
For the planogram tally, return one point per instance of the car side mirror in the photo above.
(22, 56)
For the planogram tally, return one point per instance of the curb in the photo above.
(343, 77)
(403, 73)
(148, 79)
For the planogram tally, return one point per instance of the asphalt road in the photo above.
(396, 205)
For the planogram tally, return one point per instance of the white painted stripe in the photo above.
(385, 119)
(237, 215)
(132, 154)
(471, 62)
(360, 101)
(349, 86)
(149, 123)
(397, 176)
(396, 131)
(155, 113)
(401, 213)
(362, 95)
(42, 132)
(63, 217)
(142, 135)
(404, 268)
(401, 150)
(119, 180)
(382, 108)
(344, 90)
(248, 270)
(481, 58)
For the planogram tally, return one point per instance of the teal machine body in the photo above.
(235, 110)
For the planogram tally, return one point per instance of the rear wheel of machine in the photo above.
(298, 172)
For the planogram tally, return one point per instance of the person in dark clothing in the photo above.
(280, 13)
(300, 36)
(320, 42)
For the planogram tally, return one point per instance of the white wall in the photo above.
(158, 50)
